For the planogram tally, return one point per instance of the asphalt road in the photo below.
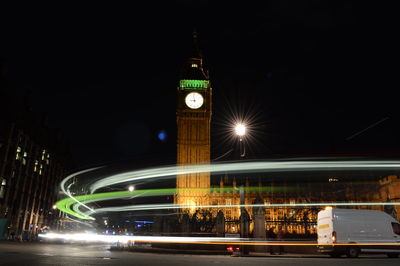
(67, 254)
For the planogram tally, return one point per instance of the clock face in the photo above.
(194, 100)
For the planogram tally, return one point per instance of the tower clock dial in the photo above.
(194, 100)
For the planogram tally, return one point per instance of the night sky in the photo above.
(310, 74)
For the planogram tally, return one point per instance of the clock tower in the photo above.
(193, 134)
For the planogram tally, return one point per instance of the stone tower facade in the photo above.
(193, 132)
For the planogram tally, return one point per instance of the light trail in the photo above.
(71, 207)
(66, 204)
(85, 237)
(216, 168)
(242, 167)
(65, 180)
(175, 206)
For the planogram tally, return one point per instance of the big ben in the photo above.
(193, 132)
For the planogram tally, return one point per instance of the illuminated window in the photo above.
(3, 188)
(35, 167)
(18, 154)
(194, 65)
(43, 154)
(23, 161)
(40, 171)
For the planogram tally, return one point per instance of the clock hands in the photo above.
(194, 100)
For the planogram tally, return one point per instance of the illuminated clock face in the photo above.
(194, 100)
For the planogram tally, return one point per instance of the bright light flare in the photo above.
(131, 188)
(87, 237)
(240, 129)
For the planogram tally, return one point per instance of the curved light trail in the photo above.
(153, 174)
(243, 167)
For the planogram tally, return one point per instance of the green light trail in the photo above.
(66, 204)
(71, 206)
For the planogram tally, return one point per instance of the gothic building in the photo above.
(194, 110)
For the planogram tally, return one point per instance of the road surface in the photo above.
(12, 253)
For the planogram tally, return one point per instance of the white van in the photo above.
(351, 231)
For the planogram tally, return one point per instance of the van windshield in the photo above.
(396, 228)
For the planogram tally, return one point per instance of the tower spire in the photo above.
(196, 53)
(194, 69)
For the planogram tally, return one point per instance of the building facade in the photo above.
(194, 109)
(33, 160)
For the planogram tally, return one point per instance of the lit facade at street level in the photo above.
(78, 206)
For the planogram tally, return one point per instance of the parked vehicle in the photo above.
(351, 232)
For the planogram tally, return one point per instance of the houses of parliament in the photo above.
(194, 114)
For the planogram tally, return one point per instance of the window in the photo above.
(35, 167)
(194, 65)
(396, 228)
(18, 155)
(3, 188)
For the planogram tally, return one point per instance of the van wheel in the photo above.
(393, 255)
(352, 252)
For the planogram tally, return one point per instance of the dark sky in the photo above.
(310, 73)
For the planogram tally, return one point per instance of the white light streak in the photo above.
(177, 206)
(243, 167)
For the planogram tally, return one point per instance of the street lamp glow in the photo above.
(131, 188)
(54, 207)
(240, 130)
